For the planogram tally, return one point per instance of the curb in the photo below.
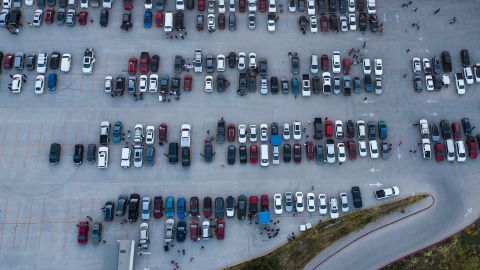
(374, 230)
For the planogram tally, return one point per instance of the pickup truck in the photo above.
(102, 157)
(138, 137)
(185, 135)
(126, 153)
(387, 192)
(220, 131)
(197, 61)
(104, 133)
(164, 79)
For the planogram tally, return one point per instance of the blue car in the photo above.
(295, 88)
(117, 132)
(52, 82)
(169, 206)
(382, 130)
(147, 19)
(160, 5)
(181, 206)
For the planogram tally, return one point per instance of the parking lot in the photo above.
(40, 204)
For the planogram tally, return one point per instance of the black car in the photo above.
(446, 129)
(362, 21)
(181, 231)
(208, 152)
(373, 22)
(319, 156)
(322, 7)
(437, 66)
(333, 19)
(332, 6)
(242, 207)
(242, 151)
(372, 130)
(221, 21)
(104, 15)
(133, 207)
(178, 64)
(178, 20)
(318, 128)
(185, 156)
(30, 62)
(242, 83)
(417, 84)
(62, 3)
(150, 155)
(175, 87)
(210, 63)
(54, 60)
(437, 82)
(287, 153)
(467, 127)
(367, 83)
(263, 65)
(231, 152)
(108, 211)
(350, 129)
(126, 20)
(119, 85)
(122, 203)
(91, 153)
(220, 138)
(295, 63)
(190, 4)
(316, 85)
(51, 3)
(207, 205)
(252, 82)
(54, 156)
(274, 129)
(342, 6)
(232, 60)
(465, 57)
(200, 22)
(230, 204)
(301, 6)
(172, 153)
(274, 87)
(446, 61)
(78, 154)
(435, 130)
(154, 63)
(219, 207)
(357, 197)
(220, 83)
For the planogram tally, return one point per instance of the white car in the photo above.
(39, 84)
(424, 130)
(272, 6)
(102, 157)
(460, 83)
(460, 150)
(450, 150)
(271, 24)
(208, 84)
(83, 3)
(138, 157)
(107, 3)
(311, 7)
(343, 23)
(211, 21)
(367, 68)
(336, 67)
(299, 202)
(344, 202)
(371, 8)
(66, 62)
(138, 133)
(242, 133)
(352, 21)
(468, 75)
(333, 208)
(17, 82)
(169, 225)
(297, 130)
(275, 155)
(330, 152)
(88, 61)
(205, 230)
(37, 17)
(180, 5)
(327, 83)
(146, 208)
(253, 133)
(150, 135)
(142, 84)
(108, 84)
(310, 202)
(292, 6)
(277, 201)
(351, 5)
(373, 149)
(286, 131)
(322, 204)
(342, 155)
(362, 148)
(148, 4)
(153, 83)
(143, 243)
(221, 6)
(313, 24)
(306, 86)
(221, 62)
(252, 60)
(42, 63)
(361, 129)
(252, 5)
(387, 192)
(126, 156)
(263, 132)
(378, 67)
(426, 148)
(7, 4)
(429, 82)
(427, 67)
(314, 64)
(416, 65)
(231, 6)
(339, 129)
(264, 86)
(28, 3)
(241, 61)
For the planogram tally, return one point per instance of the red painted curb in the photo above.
(374, 230)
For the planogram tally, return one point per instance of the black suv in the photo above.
(185, 156)
(126, 20)
(108, 210)
(54, 156)
(318, 128)
(231, 152)
(357, 197)
(242, 152)
(446, 61)
(274, 86)
(78, 154)
(219, 205)
(91, 153)
(208, 152)
(172, 153)
(465, 57)
(242, 207)
(287, 153)
(54, 60)
(220, 131)
(446, 129)
(133, 207)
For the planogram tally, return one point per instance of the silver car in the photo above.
(288, 202)
(138, 157)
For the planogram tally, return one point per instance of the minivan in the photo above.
(168, 21)
(314, 66)
(450, 149)
(264, 155)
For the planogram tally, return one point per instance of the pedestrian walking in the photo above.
(414, 9)
(436, 11)
(414, 151)
(185, 33)
(364, 44)
(410, 2)
(404, 75)
(408, 50)
(182, 37)
(453, 20)
(404, 5)
(365, 99)
(89, 218)
(414, 24)
(418, 27)
(400, 143)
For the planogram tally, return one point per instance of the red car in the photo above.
(352, 150)
(253, 204)
(253, 154)
(231, 133)
(472, 148)
(310, 150)
(187, 83)
(127, 4)
(264, 203)
(324, 63)
(346, 65)
(328, 128)
(262, 5)
(162, 132)
(220, 229)
(49, 15)
(82, 18)
(297, 153)
(159, 19)
(194, 231)
(8, 62)
(157, 207)
(323, 23)
(439, 152)
(456, 130)
(194, 212)
(132, 66)
(82, 232)
(144, 65)
(242, 5)
(201, 5)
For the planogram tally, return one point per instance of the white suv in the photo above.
(336, 67)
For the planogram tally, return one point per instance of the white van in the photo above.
(103, 157)
(107, 3)
(66, 62)
(314, 66)
(126, 153)
(264, 155)
(168, 21)
(426, 149)
(450, 149)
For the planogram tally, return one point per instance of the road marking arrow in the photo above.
(469, 211)
(399, 156)
(373, 170)
(376, 184)
(369, 114)
(433, 114)
(396, 16)
(432, 101)
(368, 101)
